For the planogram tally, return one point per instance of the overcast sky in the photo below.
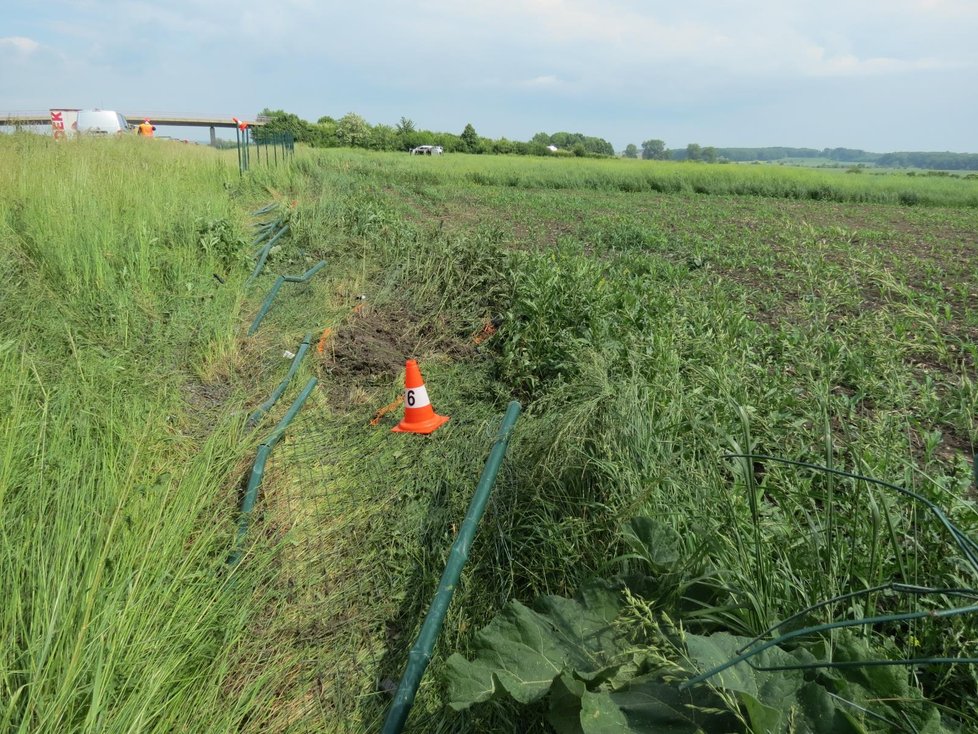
(879, 75)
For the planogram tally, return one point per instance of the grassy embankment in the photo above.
(115, 463)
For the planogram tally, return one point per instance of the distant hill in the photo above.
(946, 161)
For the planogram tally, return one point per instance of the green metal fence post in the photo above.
(277, 393)
(420, 654)
(258, 471)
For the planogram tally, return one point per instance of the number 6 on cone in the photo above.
(419, 416)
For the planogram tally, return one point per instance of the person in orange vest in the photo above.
(145, 129)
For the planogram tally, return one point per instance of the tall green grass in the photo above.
(628, 176)
(116, 511)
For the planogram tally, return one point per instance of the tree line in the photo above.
(947, 161)
(353, 131)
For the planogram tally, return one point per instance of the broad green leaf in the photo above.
(821, 715)
(585, 629)
(713, 650)
(523, 651)
(885, 681)
(657, 542)
(565, 704)
(601, 715)
(648, 705)
(761, 716)
(767, 696)
(518, 649)
(469, 682)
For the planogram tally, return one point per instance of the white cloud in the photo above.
(850, 65)
(749, 38)
(20, 44)
(545, 81)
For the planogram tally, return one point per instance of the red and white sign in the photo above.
(64, 124)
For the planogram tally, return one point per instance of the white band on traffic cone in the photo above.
(416, 397)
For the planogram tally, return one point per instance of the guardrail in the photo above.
(43, 117)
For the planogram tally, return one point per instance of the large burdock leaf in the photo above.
(767, 696)
(656, 542)
(565, 704)
(523, 651)
(647, 705)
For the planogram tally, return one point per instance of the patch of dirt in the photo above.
(207, 397)
(375, 343)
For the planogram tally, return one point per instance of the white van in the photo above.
(101, 122)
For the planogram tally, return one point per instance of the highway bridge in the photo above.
(43, 117)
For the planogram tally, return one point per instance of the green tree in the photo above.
(323, 133)
(470, 139)
(694, 152)
(384, 137)
(405, 126)
(280, 121)
(631, 151)
(710, 154)
(353, 131)
(502, 146)
(654, 150)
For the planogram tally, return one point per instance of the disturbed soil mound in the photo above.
(375, 342)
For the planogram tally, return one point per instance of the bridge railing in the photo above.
(43, 117)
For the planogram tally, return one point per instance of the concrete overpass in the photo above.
(43, 117)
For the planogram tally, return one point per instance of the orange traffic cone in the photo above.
(419, 416)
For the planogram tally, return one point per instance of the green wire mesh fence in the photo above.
(255, 145)
(362, 521)
(925, 604)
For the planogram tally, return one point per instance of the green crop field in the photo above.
(714, 362)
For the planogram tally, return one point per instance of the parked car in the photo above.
(101, 122)
(427, 150)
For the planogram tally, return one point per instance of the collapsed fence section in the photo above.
(256, 416)
(361, 521)
(279, 282)
(421, 652)
(258, 470)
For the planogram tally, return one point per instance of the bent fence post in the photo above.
(306, 275)
(275, 237)
(267, 303)
(420, 654)
(258, 470)
(263, 231)
(264, 210)
(263, 253)
(273, 398)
